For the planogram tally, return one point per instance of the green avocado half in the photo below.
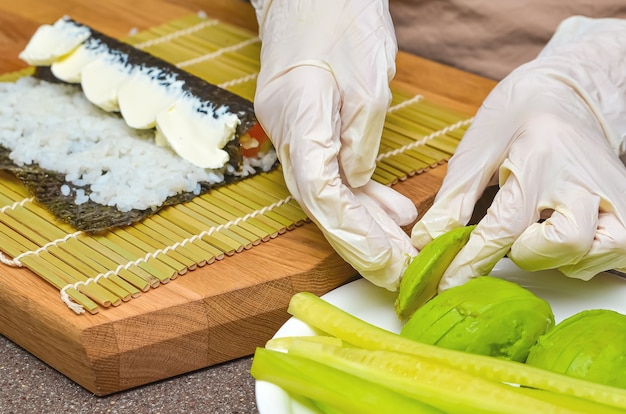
(590, 345)
(486, 316)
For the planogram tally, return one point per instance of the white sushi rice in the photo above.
(55, 127)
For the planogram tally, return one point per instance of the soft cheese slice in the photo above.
(50, 42)
(69, 67)
(101, 79)
(197, 137)
(142, 97)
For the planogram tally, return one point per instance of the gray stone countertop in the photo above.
(29, 386)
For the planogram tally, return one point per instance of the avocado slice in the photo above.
(487, 316)
(590, 345)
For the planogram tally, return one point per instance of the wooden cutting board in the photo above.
(215, 313)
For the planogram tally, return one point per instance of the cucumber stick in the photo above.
(328, 318)
(282, 343)
(585, 406)
(440, 385)
(420, 280)
(335, 389)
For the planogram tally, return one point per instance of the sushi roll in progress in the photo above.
(105, 134)
(196, 119)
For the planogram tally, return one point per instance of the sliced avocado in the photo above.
(487, 315)
(420, 281)
(590, 345)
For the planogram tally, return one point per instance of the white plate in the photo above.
(375, 305)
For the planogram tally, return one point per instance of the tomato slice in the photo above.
(255, 141)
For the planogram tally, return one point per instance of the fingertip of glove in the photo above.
(420, 236)
(357, 176)
(450, 281)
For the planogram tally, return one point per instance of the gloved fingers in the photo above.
(493, 236)
(364, 83)
(391, 43)
(356, 226)
(302, 103)
(471, 169)
(299, 111)
(363, 112)
(467, 178)
(398, 207)
(561, 240)
(606, 252)
(401, 249)
(453, 207)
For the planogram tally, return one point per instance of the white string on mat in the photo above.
(404, 104)
(17, 204)
(8, 261)
(183, 32)
(78, 308)
(17, 260)
(177, 33)
(218, 52)
(234, 82)
(3, 258)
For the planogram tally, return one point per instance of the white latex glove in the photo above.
(322, 96)
(550, 134)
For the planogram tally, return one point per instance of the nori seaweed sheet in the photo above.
(90, 217)
(93, 217)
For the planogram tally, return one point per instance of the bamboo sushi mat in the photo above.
(93, 272)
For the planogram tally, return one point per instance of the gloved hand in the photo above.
(322, 96)
(551, 134)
